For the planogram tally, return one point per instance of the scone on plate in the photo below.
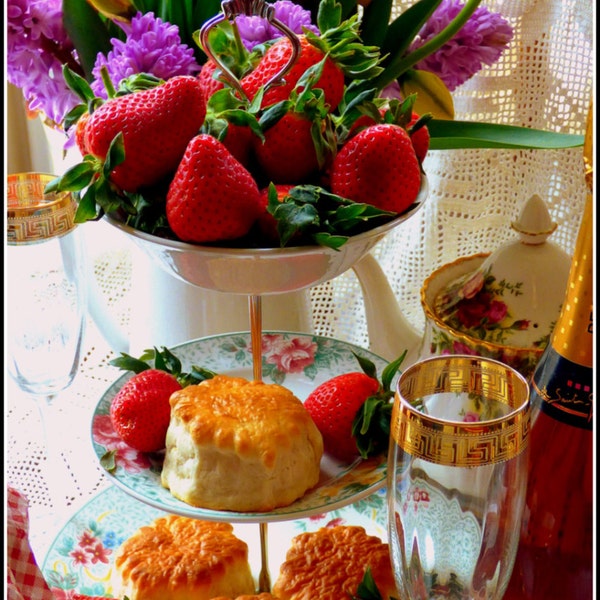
(240, 445)
(179, 558)
(330, 563)
(261, 596)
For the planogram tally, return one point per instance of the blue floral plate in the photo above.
(81, 557)
(298, 361)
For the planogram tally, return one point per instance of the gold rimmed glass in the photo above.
(45, 301)
(457, 469)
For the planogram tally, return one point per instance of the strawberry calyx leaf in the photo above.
(225, 107)
(341, 41)
(311, 214)
(163, 360)
(371, 425)
(367, 589)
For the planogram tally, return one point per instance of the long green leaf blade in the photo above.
(87, 31)
(449, 135)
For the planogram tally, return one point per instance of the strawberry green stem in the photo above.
(108, 84)
(401, 64)
(241, 52)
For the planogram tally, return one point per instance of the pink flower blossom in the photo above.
(290, 355)
(125, 456)
(471, 417)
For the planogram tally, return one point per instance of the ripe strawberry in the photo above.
(352, 411)
(212, 196)
(378, 166)
(288, 153)
(419, 138)
(209, 84)
(140, 412)
(277, 56)
(238, 140)
(156, 125)
(333, 406)
(80, 134)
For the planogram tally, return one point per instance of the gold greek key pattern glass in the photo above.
(495, 401)
(457, 475)
(34, 216)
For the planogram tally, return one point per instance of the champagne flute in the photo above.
(45, 304)
(457, 470)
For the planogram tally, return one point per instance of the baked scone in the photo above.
(261, 596)
(179, 558)
(330, 563)
(240, 445)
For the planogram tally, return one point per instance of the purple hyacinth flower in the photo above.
(480, 42)
(257, 30)
(152, 46)
(35, 37)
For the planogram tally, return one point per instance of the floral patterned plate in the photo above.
(298, 361)
(81, 557)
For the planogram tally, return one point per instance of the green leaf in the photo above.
(368, 367)
(404, 28)
(86, 208)
(374, 21)
(390, 371)
(115, 155)
(367, 588)
(329, 15)
(107, 460)
(126, 362)
(88, 31)
(449, 135)
(75, 178)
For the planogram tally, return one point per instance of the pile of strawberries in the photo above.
(195, 159)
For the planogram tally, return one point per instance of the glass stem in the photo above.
(58, 479)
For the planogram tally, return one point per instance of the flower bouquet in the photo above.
(216, 136)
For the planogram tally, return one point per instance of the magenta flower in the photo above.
(152, 46)
(480, 42)
(256, 30)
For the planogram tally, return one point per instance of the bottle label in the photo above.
(564, 390)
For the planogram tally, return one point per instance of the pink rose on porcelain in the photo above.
(471, 417)
(125, 456)
(473, 285)
(291, 355)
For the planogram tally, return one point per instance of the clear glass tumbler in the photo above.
(457, 470)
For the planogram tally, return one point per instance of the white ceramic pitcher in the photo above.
(166, 310)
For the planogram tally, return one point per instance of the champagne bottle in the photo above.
(555, 554)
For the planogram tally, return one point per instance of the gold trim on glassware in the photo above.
(34, 216)
(461, 443)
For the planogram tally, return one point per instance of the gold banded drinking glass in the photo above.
(457, 469)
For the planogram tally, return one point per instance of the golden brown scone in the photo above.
(179, 558)
(240, 445)
(261, 596)
(330, 563)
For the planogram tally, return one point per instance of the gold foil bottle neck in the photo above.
(572, 337)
